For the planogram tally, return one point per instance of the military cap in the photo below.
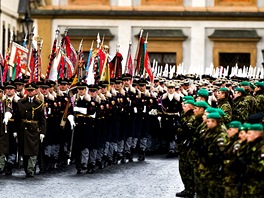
(63, 81)
(142, 82)
(234, 124)
(259, 84)
(170, 84)
(187, 98)
(1, 88)
(221, 112)
(156, 80)
(9, 85)
(214, 115)
(244, 83)
(126, 76)
(118, 80)
(44, 84)
(256, 118)
(135, 82)
(26, 79)
(186, 82)
(31, 86)
(19, 81)
(256, 127)
(211, 110)
(245, 127)
(93, 88)
(240, 89)
(223, 89)
(201, 104)
(104, 83)
(112, 81)
(203, 92)
(51, 82)
(189, 102)
(191, 76)
(81, 85)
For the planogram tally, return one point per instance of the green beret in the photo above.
(245, 126)
(240, 89)
(259, 84)
(214, 115)
(234, 124)
(189, 102)
(252, 86)
(203, 92)
(256, 127)
(211, 110)
(244, 83)
(201, 104)
(188, 98)
(223, 89)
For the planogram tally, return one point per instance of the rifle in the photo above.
(65, 114)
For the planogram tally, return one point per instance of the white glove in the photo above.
(71, 119)
(159, 118)
(41, 137)
(7, 117)
(15, 134)
(93, 116)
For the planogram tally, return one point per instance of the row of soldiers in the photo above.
(91, 125)
(221, 148)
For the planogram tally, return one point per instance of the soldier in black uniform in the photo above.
(8, 144)
(31, 128)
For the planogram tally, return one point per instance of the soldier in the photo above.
(170, 108)
(253, 179)
(20, 88)
(249, 98)
(183, 137)
(222, 97)
(232, 171)
(31, 128)
(8, 143)
(215, 143)
(51, 141)
(259, 96)
(240, 109)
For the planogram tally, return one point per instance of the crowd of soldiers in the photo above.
(213, 125)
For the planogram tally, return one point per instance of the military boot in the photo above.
(141, 155)
(9, 168)
(91, 168)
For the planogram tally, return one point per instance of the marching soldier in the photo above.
(31, 128)
(249, 98)
(170, 108)
(259, 96)
(8, 143)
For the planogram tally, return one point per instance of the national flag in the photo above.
(147, 65)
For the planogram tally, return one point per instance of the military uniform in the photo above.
(240, 108)
(31, 126)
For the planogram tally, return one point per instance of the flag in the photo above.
(51, 57)
(116, 66)
(147, 65)
(105, 73)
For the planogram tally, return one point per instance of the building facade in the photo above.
(196, 33)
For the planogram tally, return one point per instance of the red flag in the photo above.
(148, 67)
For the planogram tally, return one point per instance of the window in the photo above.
(231, 59)
(163, 58)
(162, 2)
(235, 2)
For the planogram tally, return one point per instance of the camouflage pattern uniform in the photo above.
(259, 96)
(253, 179)
(215, 143)
(251, 102)
(240, 109)
(183, 138)
(226, 107)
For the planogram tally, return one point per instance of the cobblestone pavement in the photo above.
(157, 177)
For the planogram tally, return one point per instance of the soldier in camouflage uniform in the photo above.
(222, 97)
(259, 96)
(240, 106)
(215, 143)
(232, 172)
(254, 159)
(249, 98)
(183, 137)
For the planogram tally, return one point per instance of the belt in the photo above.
(11, 120)
(30, 121)
(171, 113)
(82, 116)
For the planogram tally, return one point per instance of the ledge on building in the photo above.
(90, 33)
(234, 35)
(164, 34)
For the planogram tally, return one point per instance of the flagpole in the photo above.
(128, 54)
(137, 51)
(30, 50)
(146, 41)
(39, 44)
